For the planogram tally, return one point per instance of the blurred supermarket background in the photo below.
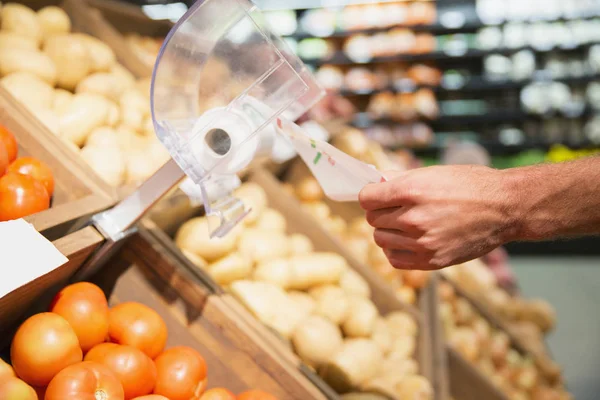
(507, 83)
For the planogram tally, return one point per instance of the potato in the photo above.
(415, 279)
(300, 244)
(85, 113)
(361, 319)
(62, 100)
(10, 40)
(363, 396)
(308, 189)
(129, 139)
(29, 89)
(108, 163)
(132, 118)
(126, 78)
(317, 209)
(316, 269)
(254, 197)
(20, 20)
(32, 61)
(262, 246)
(402, 324)
(360, 227)
(354, 284)
(102, 57)
(195, 259)
(134, 99)
(359, 247)
(355, 363)
(148, 127)
(352, 142)
(483, 331)
(114, 115)
(316, 340)
(540, 313)
(404, 346)
(230, 269)
(406, 295)
(499, 347)
(414, 387)
(464, 340)
(48, 118)
(271, 220)
(102, 83)
(277, 272)
(384, 385)
(464, 312)
(72, 60)
(382, 335)
(143, 86)
(194, 236)
(271, 305)
(304, 301)
(332, 303)
(53, 20)
(103, 137)
(401, 366)
(336, 225)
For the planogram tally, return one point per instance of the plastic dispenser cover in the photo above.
(224, 90)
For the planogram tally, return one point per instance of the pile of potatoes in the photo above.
(491, 351)
(529, 319)
(73, 84)
(357, 234)
(314, 300)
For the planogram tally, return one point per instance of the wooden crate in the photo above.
(465, 380)
(170, 214)
(77, 247)
(78, 192)
(115, 19)
(143, 271)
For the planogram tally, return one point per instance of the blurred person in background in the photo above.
(431, 218)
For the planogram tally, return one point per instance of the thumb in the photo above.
(392, 174)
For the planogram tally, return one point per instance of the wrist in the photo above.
(515, 182)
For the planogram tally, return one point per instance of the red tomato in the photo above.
(152, 397)
(6, 371)
(4, 162)
(43, 346)
(181, 374)
(256, 395)
(36, 169)
(218, 394)
(85, 307)
(16, 389)
(98, 352)
(20, 196)
(85, 381)
(10, 144)
(137, 325)
(135, 370)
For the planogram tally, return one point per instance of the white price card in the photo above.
(26, 255)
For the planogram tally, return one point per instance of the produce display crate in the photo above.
(115, 19)
(167, 216)
(143, 271)
(78, 192)
(466, 381)
(77, 247)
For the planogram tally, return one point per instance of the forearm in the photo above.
(553, 201)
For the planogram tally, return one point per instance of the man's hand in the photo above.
(435, 217)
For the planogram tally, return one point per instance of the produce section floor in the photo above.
(572, 285)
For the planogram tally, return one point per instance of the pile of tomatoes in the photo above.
(84, 350)
(26, 183)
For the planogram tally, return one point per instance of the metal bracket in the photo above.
(119, 222)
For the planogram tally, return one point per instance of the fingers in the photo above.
(393, 218)
(395, 240)
(402, 259)
(383, 195)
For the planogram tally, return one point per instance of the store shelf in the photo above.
(340, 58)
(496, 148)
(479, 83)
(584, 247)
(437, 29)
